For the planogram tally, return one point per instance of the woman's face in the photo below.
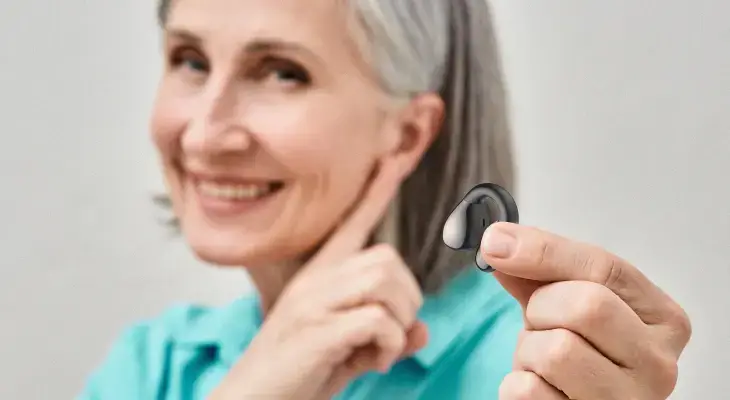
(268, 124)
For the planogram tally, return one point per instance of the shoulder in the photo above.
(480, 331)
(140, 358)
(487, 357)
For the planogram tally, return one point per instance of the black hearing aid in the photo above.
(482, 206)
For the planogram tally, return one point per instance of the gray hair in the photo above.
(449, 47)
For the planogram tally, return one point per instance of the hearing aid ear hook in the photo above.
(482, 206)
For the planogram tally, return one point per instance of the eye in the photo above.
(284, 71)
(190, 60)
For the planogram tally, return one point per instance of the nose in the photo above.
(217, 125)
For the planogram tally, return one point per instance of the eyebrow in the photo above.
(258, 45)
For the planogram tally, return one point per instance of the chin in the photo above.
(234, 249)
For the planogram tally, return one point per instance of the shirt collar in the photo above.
(467, 301)
(226, 330)
(229, 330)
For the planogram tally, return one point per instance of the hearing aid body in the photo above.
(482, 206)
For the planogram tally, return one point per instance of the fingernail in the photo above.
(498, 243)
(482, 264)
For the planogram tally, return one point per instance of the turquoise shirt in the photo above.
(185, 353)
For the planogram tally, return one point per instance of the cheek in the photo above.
(168, 121)
(308, 138)
(330, 155)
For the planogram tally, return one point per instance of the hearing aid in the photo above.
(483, 205)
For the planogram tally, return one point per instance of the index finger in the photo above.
(532, 254)
(352, 235)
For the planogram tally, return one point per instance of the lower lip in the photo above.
(221, 207)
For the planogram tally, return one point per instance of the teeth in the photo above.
(234, 192)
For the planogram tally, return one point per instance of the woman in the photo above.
(322, 144)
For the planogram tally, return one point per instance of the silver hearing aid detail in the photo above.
(482, 206)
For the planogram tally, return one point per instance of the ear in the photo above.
(413, 130)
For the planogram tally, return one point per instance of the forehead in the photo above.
(320, 24)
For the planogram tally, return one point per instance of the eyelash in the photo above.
(181, 56)
(285, 70)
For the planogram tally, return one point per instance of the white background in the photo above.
(621, 113)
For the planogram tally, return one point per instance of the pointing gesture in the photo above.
(595, 327)
(354, 232)
(347, 311)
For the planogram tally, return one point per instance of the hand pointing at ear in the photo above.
(351, 309)
(595, 327)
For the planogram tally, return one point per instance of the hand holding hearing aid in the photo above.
(348, 311)
(595, 327)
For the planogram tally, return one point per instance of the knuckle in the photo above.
(543, 252)
(657, 370)
(559, 347)
(375, 277)
(606, 268)
(419, 300)
(592, 304)
(520, 386)
(665, 373)
(386, 268)
(400, 340)
(386, 251)
(679, 320)
(378, 316)
(668, 377)
(384, 255)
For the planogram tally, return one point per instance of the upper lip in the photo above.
(227, 177)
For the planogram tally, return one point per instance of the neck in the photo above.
(270, 282)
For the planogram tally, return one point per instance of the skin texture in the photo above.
(247, 94)
(595, 326)
(256, 89)
(349, 310)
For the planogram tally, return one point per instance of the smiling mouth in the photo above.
(237, 192)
